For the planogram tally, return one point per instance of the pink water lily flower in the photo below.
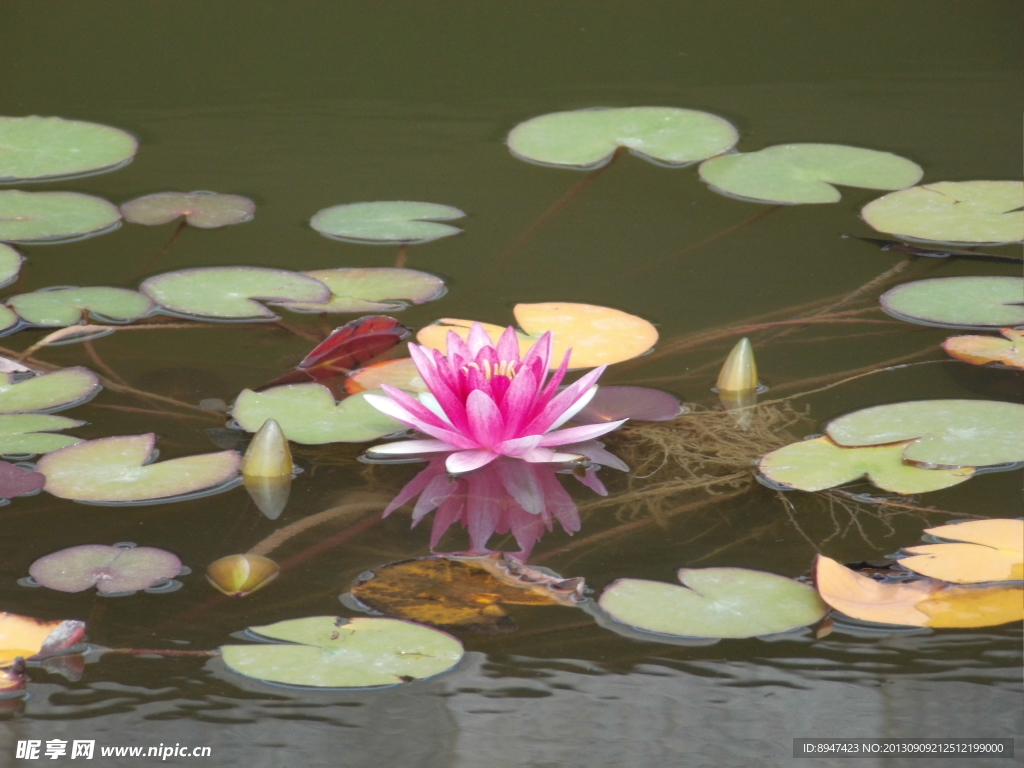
(485, 402)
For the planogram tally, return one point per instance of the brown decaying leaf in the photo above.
(983, 350)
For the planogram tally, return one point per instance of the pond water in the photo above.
(300, 106)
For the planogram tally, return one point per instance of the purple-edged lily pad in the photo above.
(16, 481)
(639, 403)
(206, 210)
(373, 289)
(966, 302)
(47, 392)
(109, 569)
(54, 217)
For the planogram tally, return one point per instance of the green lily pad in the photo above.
(10, 265)
(790, 174)
(47, 392)
(54, 217)
(229, 293)
(814, 465)
(114, 470)
(959, 302)
(396, 221)
(308, 414)
(28, 433)
(8, 319)
(714, 602)
(51, 147)
(945, 433)
(957, 212)
(588, 138)
(206, 210)
(373, 289)
(67, 306)
(332, 652)
(110, 569)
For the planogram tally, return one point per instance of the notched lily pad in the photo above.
(401, 373)
(68, 306)
(17, 481)
(637, 403)
(985, 550)
(206, 210)
(52, 147)
(958, 302)
(54, 391)
(386, 221)
(373, 289)
(10, 265)
(28, 433)
(54, 217)
(109, 569)
(985, 350)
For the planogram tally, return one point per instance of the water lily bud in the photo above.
(268, 454)
(739, 374)
(239, 575)
(269, 494)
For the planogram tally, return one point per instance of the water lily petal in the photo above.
(518, 401)
(412, 488)
(541, 351)
(575, 408)
(398, 413)
(548, 456)
(449, 513)
(467, 461)
(593, 482)
(562, 402)
(404, 447)
(579, 434)
(485, 423)
(478, 339)
(521, 481)
(429, 400)
(517, 446)
(434, 494)
(414, 407)
(457, 348)
(508, 346)
(595, 451)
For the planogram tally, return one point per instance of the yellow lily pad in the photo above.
(989, 550)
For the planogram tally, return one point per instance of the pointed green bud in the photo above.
(268, 454)
(739, 374)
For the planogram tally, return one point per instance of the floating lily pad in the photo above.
(791, 174)
(17, 481)
(49, 392)
(814, 465)
(332, 652)
(989, 550)
(944, 433)
(388, 221)
(638, 403)
(229, 293)
(983, 350)
(67, 306)
(308, 414)
(10, 265)
(587, 138)
(114, 470)
(109, 569)
(206, 210)
(952, 212)
(401, 373)
(958, 302)
(8, 318)
(51, 217)
(34, 638)
(714, 602)
(28, 433)
(49, 147)
(373, 289)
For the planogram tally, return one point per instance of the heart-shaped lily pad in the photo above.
(386, 221)
(814, 465)
(67, 306)
(944, 433)
(48, 392)
(308, 414)
(952, 212)
(53, 217)
(28, 433)
(332, 652)
(401, 373)
(17, 481)
(10, 265)
(714, 602)
(982, 350)
(206, 210)
(587, 138)
(114, 470)
(50, 147)
(959, 302)
(373, 289)
(638, 403)
(229, 293)
(790, 174)
(109, 569)
(988, 550)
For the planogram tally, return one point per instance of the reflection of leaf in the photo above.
(982, 350)
(993, 550)
(27, 637)
(29, 217)
(67, 306)
(50, 147)
(206, 210)
(109, 569)
(958, 302)
(48, 392)
(386, 222)
(373, 289)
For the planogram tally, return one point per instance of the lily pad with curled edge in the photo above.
(954, 212)
(714, 602)
(958, 302)
(115, 470)
(230, 293)
(18, 481)
(588, 138)
(386, 221)
(792, 174)
(109, 569)
(206, 210)
(637, 403)
(373, 289)
(54, 217)
(29, 637)
(983, 350)
(983, 550)
(814, 465)
(68, 306)
(52, 147)
(308, 414)
(10, 265)
(29, 433)
(54, 391)
(333, 652)
(943, 433)
(401, 373)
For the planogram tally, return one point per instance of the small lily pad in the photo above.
(943, 433)
(308, 414)
(958, 302)
(637, 403)
(714, 602)
(48, 392)
(17, 481)
(792, 174)
(114, 470)
(952, 212)
(67, 306)
(332, 652)
(383, 222)
(814, 465)
(52, 147)
(373, 289)
(109, 569)
(10, 265)
(229, 293)
(401, 373)
(587, 138)
(983, 350)
(52, 217)
(206, 210)
(985, 550)
(29, 433)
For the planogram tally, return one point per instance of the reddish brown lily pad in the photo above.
(109, 569)
(983, 350)
(206, 210)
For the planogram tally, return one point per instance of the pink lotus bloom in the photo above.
(484, 402)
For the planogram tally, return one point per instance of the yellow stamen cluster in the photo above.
(504, 368)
